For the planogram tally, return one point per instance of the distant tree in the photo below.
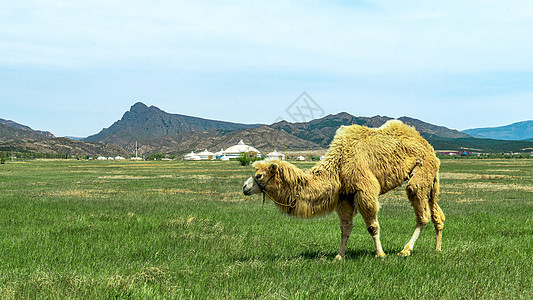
(156, 156)
(244, 159)
(257, 158)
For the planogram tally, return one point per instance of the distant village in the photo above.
(235, 151)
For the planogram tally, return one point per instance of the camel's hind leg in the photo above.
(437, 216)
(368, 206)
(346, 211)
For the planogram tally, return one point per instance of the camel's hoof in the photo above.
(381, 255)
(339, 257)
(404, 253)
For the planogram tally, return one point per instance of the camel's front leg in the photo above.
(346, 211)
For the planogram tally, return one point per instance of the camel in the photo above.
(361, 164)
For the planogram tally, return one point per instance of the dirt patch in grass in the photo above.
(124, 177)
(458, 176)
(230, 197)
(174, 191)
(232, 177)
(470, 200)
(82, 193)
(393, 198)
(142, 277)
(506, 170)
(451, 192)
(200, 177)
(489, 186)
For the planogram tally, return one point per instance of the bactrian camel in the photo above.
(361, 164)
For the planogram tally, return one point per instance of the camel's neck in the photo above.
(305, 194)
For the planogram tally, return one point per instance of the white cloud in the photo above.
(399, 36)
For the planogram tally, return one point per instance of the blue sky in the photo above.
(74, 67)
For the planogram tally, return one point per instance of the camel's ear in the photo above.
(273, 168)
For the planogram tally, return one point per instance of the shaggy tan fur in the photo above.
(360, 164)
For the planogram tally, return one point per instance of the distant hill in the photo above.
(481, 145)
(430, 131)
(263, 138)
(321, 131)
(63, 145)
(21, 138)
(13, 129)
(75, 138)
(8, 133)
(514, 132)
(158, 131)
(143, 122)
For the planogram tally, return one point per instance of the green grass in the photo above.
(78, 229)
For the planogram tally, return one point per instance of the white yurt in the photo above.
(119, 158)
(101, 158)
(300, 158)
(235, 151)
(224, 158)
(136, 158)
(322, 157)
(206, 155)
(275, 155)
(189, 156)
(219, 154)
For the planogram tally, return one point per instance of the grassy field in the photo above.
(78, 229)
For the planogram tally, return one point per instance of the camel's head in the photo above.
(264, 172)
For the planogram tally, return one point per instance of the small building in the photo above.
(275, 155)
(322, 157)
(206, 155)
(190, 156)
(219, 154)
(449, 152)
(241, 147)
(119, 158)
(300, 158)
(224, 158)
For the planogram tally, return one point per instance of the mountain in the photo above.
(21, 138)
(159, 131)
(263, 138)
(321, 131)
(430, 131)
(481, 145)
(516, 132)
(10, 133)
(143, 122)
(21, 131)
(63, 145)
(75, 138)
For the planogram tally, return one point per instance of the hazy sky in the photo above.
(74, 67)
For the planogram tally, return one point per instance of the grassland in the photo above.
(78, 229)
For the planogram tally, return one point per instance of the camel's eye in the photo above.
(259, 176)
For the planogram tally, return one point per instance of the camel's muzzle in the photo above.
(250, 187)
